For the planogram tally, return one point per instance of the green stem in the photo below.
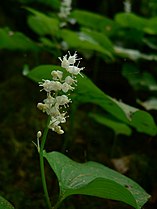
(42, 170)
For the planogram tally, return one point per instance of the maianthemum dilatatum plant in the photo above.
(90, 178)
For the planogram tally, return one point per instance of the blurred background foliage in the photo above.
(119, 51)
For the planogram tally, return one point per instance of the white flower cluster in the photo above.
(65, 9)
(127, 6)
(56, 100)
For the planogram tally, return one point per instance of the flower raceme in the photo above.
(58, 89)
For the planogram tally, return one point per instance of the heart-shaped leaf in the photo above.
(94, 179)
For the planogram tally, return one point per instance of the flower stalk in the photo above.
(42, 170)
(58, 91)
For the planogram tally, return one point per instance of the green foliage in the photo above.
(95, 21)
(88, 92)
(139, 81)
(82, 41)
(4, 204)
(117, 126)
(15, 41)
(131, 20)
(127, 40)
(94, 179)
(42, 24)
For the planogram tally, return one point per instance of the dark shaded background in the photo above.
(20, 179)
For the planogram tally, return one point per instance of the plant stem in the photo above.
(42, 170)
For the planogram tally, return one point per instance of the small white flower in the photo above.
(74, 70)
(57, 75)
(58, 130)
(49, 86)
(53, 111)
(69, 80)
(66, 87)
(62, 100)
(73, 59)
(64, 62)
(49, 100)
(43, 107)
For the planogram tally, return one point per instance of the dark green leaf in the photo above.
(111, 122)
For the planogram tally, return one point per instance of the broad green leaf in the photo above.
(81, 40)
(94, 179)
(42, 24)
(4, 204)
(15, 41)
(88, 92)
(101, 38)
(111, 122)
(131, 20)
(95, 21)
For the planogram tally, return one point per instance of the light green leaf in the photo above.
(95, 21)
(111, 122)
(131, 20)
(94, 179)
(81, 40)
(101, 38)
(42, 24)
(15, 41)
(4, 204)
